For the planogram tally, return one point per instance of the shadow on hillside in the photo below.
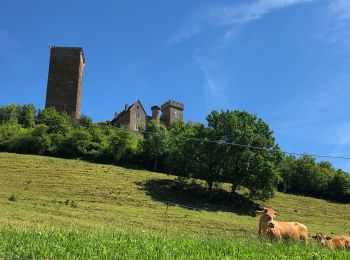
(196, 197)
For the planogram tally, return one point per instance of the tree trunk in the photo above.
(155, 164)
(233, 190)
(210, 186)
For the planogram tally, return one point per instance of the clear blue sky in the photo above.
(288, 61)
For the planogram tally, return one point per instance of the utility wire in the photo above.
(224, 143)
(239, 145)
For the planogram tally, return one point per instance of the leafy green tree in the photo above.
(58, 122)
(180, 156)
(99, 144)
(40, 140)
(310, 179)
(27, 115)
(326, 165)
(154, 144)
(192, 154)
(77, 143)
(85, 121)
(250, 154)
(123, 145)
(287, 169)
(339, 187)
(209, 155)
(9, 114)
(9, 136)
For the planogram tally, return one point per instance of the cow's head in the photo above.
(267, 215)
(321, 238)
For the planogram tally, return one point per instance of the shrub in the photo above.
(12, 197)
(73, 204)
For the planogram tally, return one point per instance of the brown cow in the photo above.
(268, 226)
(338, 242)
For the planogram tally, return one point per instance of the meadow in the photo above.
(56, 244)
(72, 208)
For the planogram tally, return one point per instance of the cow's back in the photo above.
(340, 242)
(303, 232)
(293, 230)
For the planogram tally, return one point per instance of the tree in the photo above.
(58, 122)
(122, 145)
(155, 139)
(209, 155)
(40, 142)
(14, 138)
(180, 157)
(287, 169)
(339, 187)
(9, 114)
(27, 115)
(212, 154)
(77, 143)
(310, 179)
(250, 155)
(192, 154)
(85, 121)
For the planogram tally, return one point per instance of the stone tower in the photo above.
(64, 84)
(171, 111)
(155, 113)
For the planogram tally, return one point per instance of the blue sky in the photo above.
(288, 61)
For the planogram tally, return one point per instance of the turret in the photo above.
(171, 111)
(155, 113)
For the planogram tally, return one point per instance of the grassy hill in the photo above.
(73, 209)
(76, 195)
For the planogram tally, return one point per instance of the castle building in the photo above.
(134, 117)
(65, 79)
(171, 112)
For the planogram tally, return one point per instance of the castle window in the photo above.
(136, 127)
(176, 113)
(137, 115)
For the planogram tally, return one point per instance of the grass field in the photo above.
(62, 196)
(89, 245)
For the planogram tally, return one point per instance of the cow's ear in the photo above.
(259, 212)
(328, 238)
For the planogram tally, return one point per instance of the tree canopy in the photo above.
(234, 147)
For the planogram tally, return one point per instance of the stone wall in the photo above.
(137, 116)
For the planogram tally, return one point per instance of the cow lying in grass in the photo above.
(338, 242)
(273, 229)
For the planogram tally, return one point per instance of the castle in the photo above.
(64, 89)
(134, 116)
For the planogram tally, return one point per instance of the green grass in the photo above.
(58, 196)
(88, 245)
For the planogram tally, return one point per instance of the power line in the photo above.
(242, 145)
(225, 143)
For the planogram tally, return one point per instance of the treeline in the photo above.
(234, 147)
(23, 129)
(305, 176)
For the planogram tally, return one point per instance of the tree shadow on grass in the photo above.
(196, 197)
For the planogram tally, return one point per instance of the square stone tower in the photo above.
(171, 111)
(64, 84)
